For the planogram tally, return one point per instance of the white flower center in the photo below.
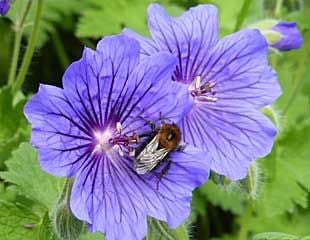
(102, 140)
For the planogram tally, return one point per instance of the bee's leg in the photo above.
(181, 148)
(148, 122)
(163, 119)
(163, 172)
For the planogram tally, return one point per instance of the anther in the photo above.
(120, 152)
(119, 127)
(197, 82)
(132, 152)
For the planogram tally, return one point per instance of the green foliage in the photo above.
(25, 172)
(229, 198)
(109, 17)
(45, 230)
(17, 222)
(158, 230)
(295, 223)
(277, 236)
(13, 125)
(231, 11)
(281, 211)
(55, 12)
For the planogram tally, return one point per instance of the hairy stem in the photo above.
(243, 233)
(243, 13)
(18, 28)
(30, 49)
(297, 83)
(60, 50)
(277, 10)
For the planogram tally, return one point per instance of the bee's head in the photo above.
(169, 136)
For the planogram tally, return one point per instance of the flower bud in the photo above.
(252, 183)
(270, 112)
(66, 225)
(4, 6)
(283, 36)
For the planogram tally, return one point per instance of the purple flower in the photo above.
(90, 129)
(290, 37)
(228, 80)
(4, 6)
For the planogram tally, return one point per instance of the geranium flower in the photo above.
(228, 80)
(90, 129)
(4, 6)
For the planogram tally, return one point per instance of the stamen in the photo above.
(202, 92)
(207, 98)
(119, 127)
(197, 82)
(120, 152)
(132, 152)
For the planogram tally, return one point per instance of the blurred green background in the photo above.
(275, 198)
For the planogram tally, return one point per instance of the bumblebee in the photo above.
(167, 138)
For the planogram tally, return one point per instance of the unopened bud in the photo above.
(252, 183)
(283, 36)
(66, 225)
(270, 112)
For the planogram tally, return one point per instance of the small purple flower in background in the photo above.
(290, 37)
(4, 6)
(89, 130)
(228, 81)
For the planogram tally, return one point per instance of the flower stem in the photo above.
(243, 13)
(297, 83)
(243, 233)
(30, 49)
(277, 10)
(60, 50)
(18, 28)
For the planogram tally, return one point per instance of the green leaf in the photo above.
(13, 124)
(293, 75)
(229, 10)
(25, 172)
(158, 230)
(229, 199)
(287, 174)
(54, 12)
(92, 236)
(295, 223)
(109, 17)
(45, 231)
(275, 236)
(17, 222)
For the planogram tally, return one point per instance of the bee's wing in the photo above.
(150, 157)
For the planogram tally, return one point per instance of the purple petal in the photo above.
(4, 7)
(238, 66)
(107, 195)
(115, 199)
(148, 46)
(189, 169)
(154, 73)
(75, 130)
(291, 38)
(57, 131)
(233, 135)
(188, 37)
(100, 74)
